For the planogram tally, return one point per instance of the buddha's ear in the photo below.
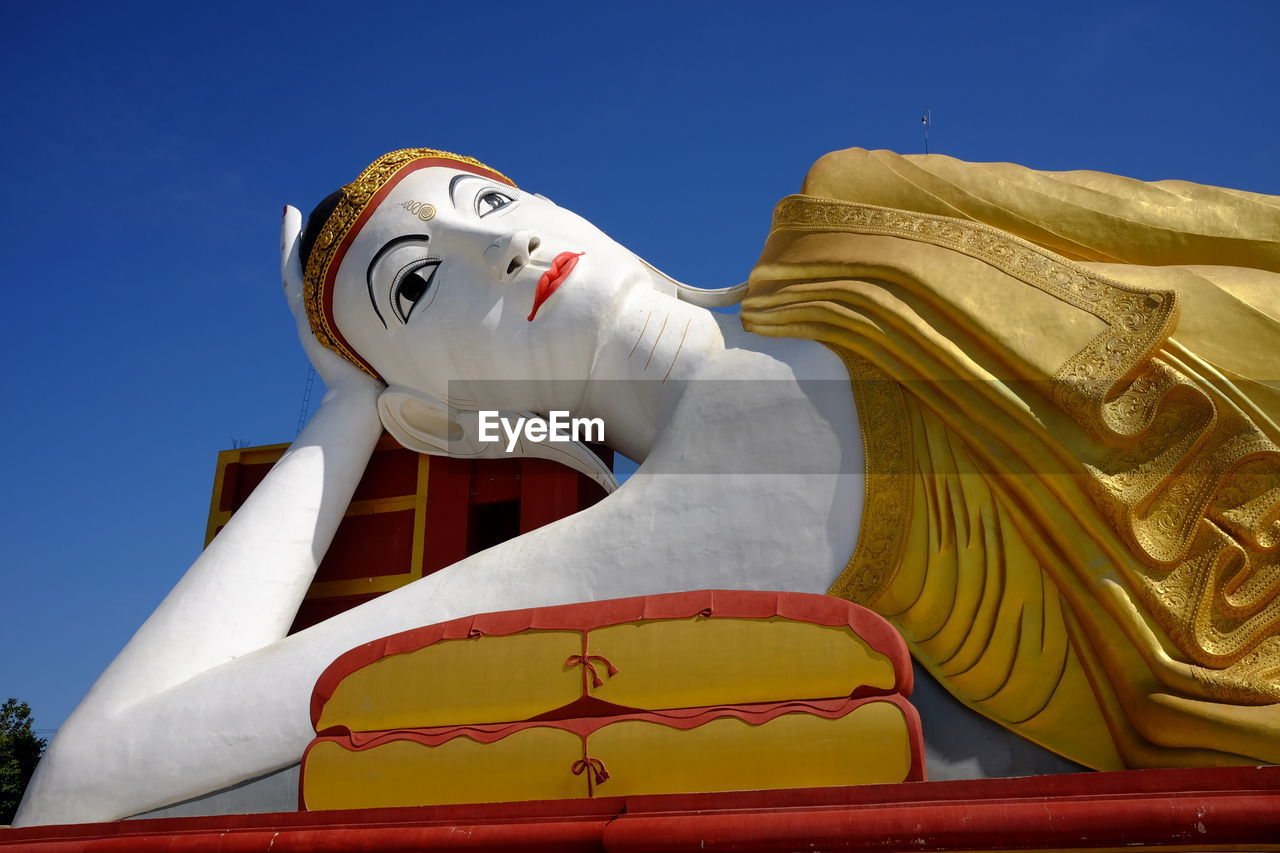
(419, 421)
(428, 425)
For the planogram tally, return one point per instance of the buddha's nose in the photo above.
(507, 255)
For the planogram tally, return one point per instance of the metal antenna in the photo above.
(306, 398)
(926, 118)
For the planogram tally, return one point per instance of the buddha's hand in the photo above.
(339, 375)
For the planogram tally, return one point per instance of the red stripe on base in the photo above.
(1222, 808)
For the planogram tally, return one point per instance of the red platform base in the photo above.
(1230, 808)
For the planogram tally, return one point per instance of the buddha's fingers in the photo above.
(334, 370)
(290, 258)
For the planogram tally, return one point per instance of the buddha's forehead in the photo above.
(417, 204)
(421, 203)
(430, 185)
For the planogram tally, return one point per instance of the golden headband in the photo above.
(355, 205)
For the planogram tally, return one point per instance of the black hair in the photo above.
(311, 230)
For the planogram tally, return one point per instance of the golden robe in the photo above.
(1067, 385)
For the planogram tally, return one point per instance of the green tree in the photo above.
(20, 751)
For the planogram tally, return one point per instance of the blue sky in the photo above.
(150, 147)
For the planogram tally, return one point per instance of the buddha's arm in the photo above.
(249, 716)
(242, 593)
(239, 596)
(152, 711)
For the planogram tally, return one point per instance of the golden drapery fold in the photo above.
(1067, 384)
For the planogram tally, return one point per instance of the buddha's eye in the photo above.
(490, 200)
(412, 289)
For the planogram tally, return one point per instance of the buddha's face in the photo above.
(462, 285)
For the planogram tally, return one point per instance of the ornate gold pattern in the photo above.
(887, 462)
(1169, 486)
(351, 206)
(1138, 320)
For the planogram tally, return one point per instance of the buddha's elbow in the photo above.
(67, 784)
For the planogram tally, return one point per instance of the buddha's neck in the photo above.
(657, 342)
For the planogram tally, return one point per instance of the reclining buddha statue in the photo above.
(1029, 417)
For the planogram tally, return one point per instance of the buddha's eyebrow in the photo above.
(456, 179)
(388, 246)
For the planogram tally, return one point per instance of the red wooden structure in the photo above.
(411, 515)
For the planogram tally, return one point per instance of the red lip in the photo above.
(553, 278)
